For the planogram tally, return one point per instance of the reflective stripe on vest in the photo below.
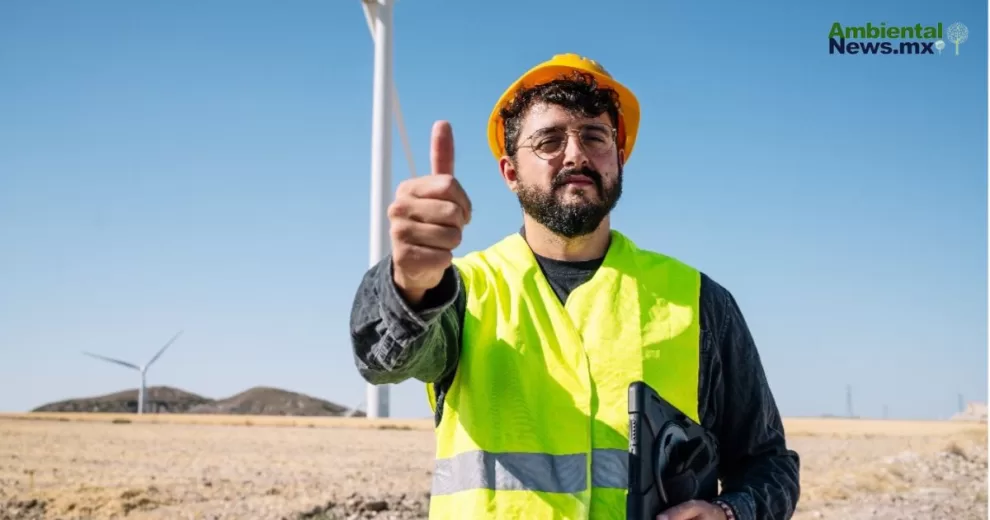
(535, 422)
(530, 472)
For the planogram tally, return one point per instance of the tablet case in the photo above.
(672, 459)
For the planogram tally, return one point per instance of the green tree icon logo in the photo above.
(957, 33)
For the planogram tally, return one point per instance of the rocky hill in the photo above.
(262, 400)
(159, 399)
(163, 399)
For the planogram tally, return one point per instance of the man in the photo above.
(528, 347)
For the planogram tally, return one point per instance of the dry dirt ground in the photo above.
(69, 469)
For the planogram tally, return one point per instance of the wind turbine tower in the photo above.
(143, 369)
(385, 110)
(380, 12)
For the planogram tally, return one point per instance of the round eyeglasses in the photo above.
(549, 143)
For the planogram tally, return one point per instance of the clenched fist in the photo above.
(426, 219)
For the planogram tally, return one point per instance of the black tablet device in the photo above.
(672, 459)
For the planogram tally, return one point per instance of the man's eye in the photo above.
(594, 134)
(549, 143)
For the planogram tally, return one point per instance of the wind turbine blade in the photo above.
(159, 354)
(354, 411)
(370, 9)
(369, 15)
(402, 131)
(112, 360)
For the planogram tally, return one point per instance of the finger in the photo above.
(427, 235)
(685, 511)
(433, 211)
(443, 187)
(422, 256)
(442, 149)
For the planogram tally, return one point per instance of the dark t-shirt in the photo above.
(565, 276)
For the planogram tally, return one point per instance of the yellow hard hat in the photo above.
(552, 69)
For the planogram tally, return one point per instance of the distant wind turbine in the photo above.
(142, 369)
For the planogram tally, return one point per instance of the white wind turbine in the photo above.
(385, 106)
(142, 369)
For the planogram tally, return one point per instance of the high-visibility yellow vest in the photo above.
(535, 424)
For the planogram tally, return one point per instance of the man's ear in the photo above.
(622, 157)
(508, 171)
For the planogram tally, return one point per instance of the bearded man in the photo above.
(528, 347)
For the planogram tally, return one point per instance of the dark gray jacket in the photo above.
(393, 342)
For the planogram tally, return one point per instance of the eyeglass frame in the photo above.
(610, 130)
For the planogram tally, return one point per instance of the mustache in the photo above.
(561, 178)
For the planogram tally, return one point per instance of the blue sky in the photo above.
(205, 167)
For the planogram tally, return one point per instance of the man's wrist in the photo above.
(730, 514)
(739, 502)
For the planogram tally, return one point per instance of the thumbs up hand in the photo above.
(427, 217)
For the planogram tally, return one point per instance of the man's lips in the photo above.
(579, 179)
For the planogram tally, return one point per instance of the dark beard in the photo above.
(570, 220)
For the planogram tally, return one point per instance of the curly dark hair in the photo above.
(578, 93)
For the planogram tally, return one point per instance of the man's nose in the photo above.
(574, 154)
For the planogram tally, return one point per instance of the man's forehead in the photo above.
(543, 115)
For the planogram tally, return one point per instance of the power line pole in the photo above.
(849, 401)
(962, 404)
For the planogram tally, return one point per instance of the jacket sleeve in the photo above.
(393, 342)
(760, 475)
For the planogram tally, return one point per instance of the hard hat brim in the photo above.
(544, 73)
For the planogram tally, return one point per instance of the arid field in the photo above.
(248, 467)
